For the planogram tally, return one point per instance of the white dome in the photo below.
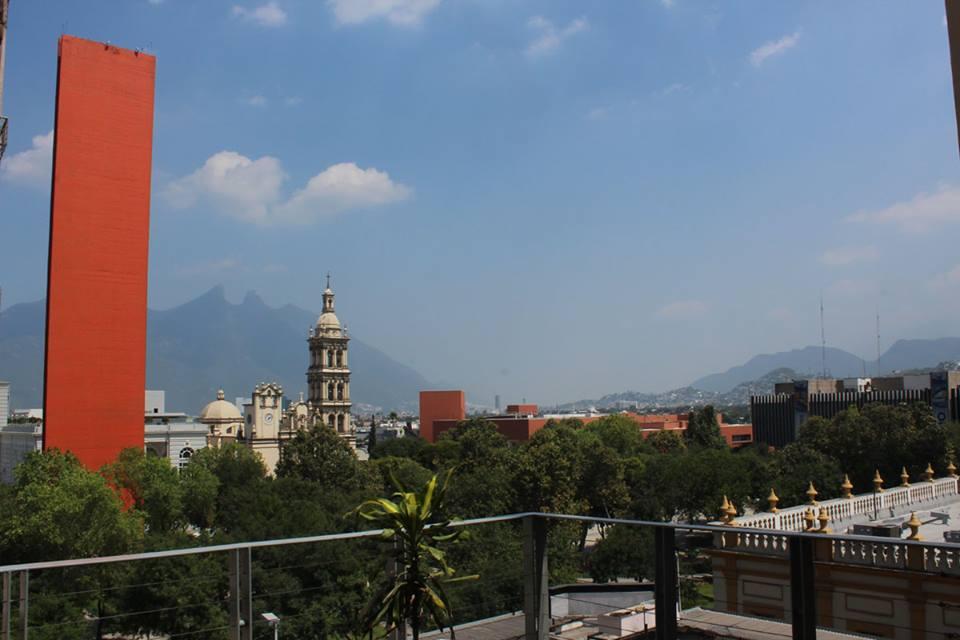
(220, 411)
(328, 321)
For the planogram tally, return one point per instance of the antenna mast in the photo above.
(878, 341)
(823, 341)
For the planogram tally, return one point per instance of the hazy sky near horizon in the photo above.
(544, 199)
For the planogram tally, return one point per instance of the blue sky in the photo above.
(545, 199)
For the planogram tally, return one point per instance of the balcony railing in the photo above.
(518, 601)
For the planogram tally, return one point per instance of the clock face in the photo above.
(268, 418)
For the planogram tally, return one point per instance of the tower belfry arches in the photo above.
(328, 377)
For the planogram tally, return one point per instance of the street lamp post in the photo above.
(274, 621)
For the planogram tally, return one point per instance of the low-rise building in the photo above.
(777, 417)
(875, 585)
(444, 410)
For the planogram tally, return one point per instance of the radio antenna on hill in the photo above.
(878, 341)
(823, 342)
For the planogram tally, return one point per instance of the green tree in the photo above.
(322, 456)
(624, 552)
(406, 447)
(416, 595)
(152, 486)
(372, 438)
(797, 465)
(667, 441)
(407, 472)
(60, 510)
(550, 471)
(703, 429)
(620, 433)
(200, 488)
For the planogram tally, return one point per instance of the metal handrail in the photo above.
(512, 517)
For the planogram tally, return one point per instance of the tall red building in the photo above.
(99, 230)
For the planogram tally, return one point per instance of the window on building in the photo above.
(339, 358)
(340, 423)
(340, 391)
(330, 420)
(330, 391)
(184, 458)
(742, 437)
(329, 358)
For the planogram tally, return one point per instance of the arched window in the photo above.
(339, 358)
(340, 423)
(330, 391)
(329, 358)
(184, 459)
(340, 391)
(330, 419)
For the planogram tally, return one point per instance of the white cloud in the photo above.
(256, 101)
(293, 101)
(339, 188)
(774, 48)
(682, 309)
(31, 167)
(840, 256)
(923, 212)
(667, 3)
(598, 113)
(239, 186)
(404, 13)
(549, 38)
(674, 88)
(251, 190)
(266, 15)
(946, 280)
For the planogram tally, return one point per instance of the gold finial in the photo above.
(724, 518)
(847, 487)
(914, 524)
(928, 473)
(772, 500)
(904, 478)
(877, 482)
(808, 519)
(951, 469)
(812, 494)
(731, 514)
(824, 519)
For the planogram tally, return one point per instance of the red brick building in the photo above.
(440, 405)
(441, 411)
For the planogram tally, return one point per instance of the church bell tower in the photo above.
(328, 378)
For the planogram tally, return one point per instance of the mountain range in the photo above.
(208, 344)
(758, 375)
(903, 354)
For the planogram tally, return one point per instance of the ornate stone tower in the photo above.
(328, 378)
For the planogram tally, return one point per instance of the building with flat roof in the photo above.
(872, 585)
(174, 436)
(777, 417)
(446, 409)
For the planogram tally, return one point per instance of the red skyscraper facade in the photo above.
(99, 231)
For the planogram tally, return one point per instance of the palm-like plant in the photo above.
(416, 594)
